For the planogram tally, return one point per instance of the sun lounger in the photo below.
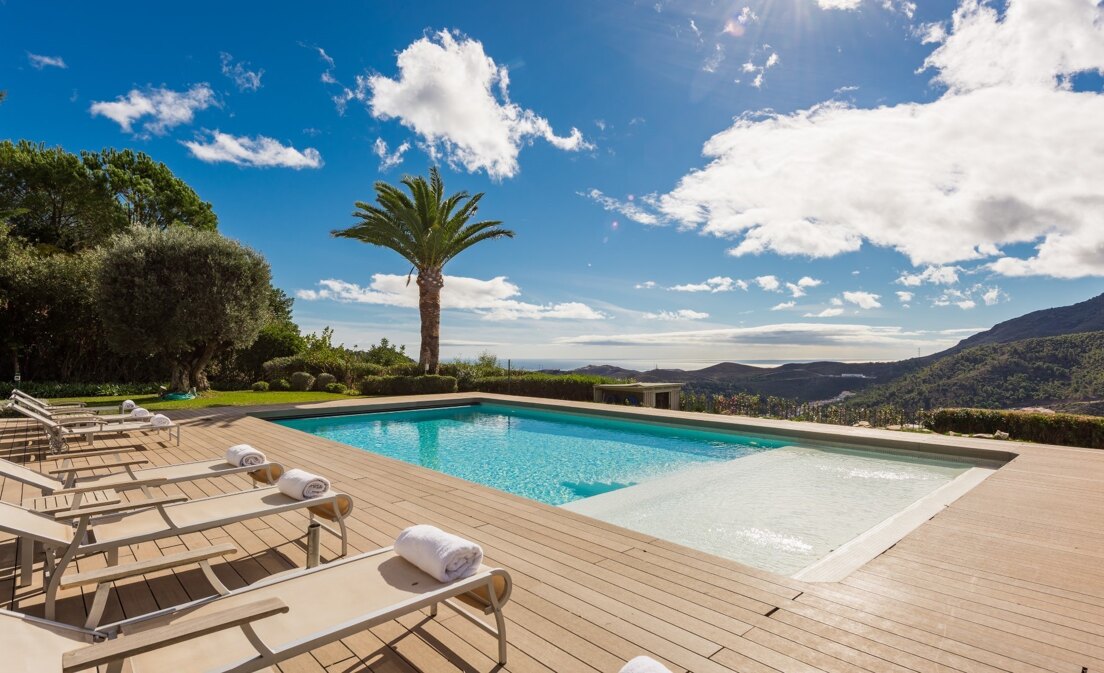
(107, 528)
(60, 430)
(74, 480)
(254, 627)
(18, 394)
(66, 412)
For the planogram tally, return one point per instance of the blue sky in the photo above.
(689, 182)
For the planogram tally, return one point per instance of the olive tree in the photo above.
(182, 294)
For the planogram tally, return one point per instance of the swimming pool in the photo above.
(765, 501)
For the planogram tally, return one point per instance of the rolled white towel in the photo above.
(445, 556)
(302, 485)
(644, 665)
(127, 405)
(139, 413)
(160, 421)
(244, 455)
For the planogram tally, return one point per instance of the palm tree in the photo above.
(428, 229)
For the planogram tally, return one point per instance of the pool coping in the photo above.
(997, 451)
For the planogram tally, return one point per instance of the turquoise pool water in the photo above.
(552, 457)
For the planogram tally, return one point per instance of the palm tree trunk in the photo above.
(430, 282)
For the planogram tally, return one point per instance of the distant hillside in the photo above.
(1059, 371)
(827, 380)
(1087, 316)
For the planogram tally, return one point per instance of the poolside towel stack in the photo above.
(139, 413)
(644, 665)
(302, 485)
(127, 405)
(244, 455)
(160, 421)
(442, 555)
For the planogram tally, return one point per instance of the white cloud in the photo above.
(798, 289)
(760, 71)
(165, 108)
(681, 314)
(936, 275)
(792, 334)
(646, 285)
(784, 306)
(259, 152)
(930, 180)
(836, 301)
(714, 60)
(864, 300)
(388, 159)
(737, 25)
(492, 299)
(839, 4)
(768, 283)
(38, 61)
(627, 208)
(244, 78)
(992, 296)
(904, 297)
(714, 284)
(826, 313)
(456, 98)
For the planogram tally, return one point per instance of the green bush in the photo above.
(280, 384)
(343, 369)
(407, 385)
(302, 381)
(403, 369)
(337, 388)
(576, 387)
(323, 380)
(260, 386)
(1065, 429)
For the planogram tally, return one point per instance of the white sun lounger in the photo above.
(254, 627)
(60, 430)
(107, 528)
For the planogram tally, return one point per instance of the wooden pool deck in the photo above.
(1010, 577)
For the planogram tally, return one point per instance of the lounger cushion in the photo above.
(319, 602)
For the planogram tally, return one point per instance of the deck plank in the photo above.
(1008, 578)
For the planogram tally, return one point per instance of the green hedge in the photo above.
(51, 389)
(1065, 429)
(407, 385)
(576, 387)
(346, 371)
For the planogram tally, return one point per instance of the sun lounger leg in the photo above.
(26, 561)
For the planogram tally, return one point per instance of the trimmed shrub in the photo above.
(337, 388)
(280, 384)
(1065, 429)
(344, 370)
(302, 381)
(578, 387)
(407, 385)
(404, 369)
(260, 386)
(323, 380)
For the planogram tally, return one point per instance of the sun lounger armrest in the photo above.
(121, 507)
(188, 629)
(120, 483)
(89, 468)
(94, 453)
(113, 573)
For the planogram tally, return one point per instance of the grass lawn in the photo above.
(213, 398)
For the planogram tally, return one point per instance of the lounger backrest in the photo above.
(35, 415)
(33, 644)
(28, 476)
(25, 523)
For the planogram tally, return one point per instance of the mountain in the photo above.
(828, 380)
(1087, 316)
(1058, 371)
